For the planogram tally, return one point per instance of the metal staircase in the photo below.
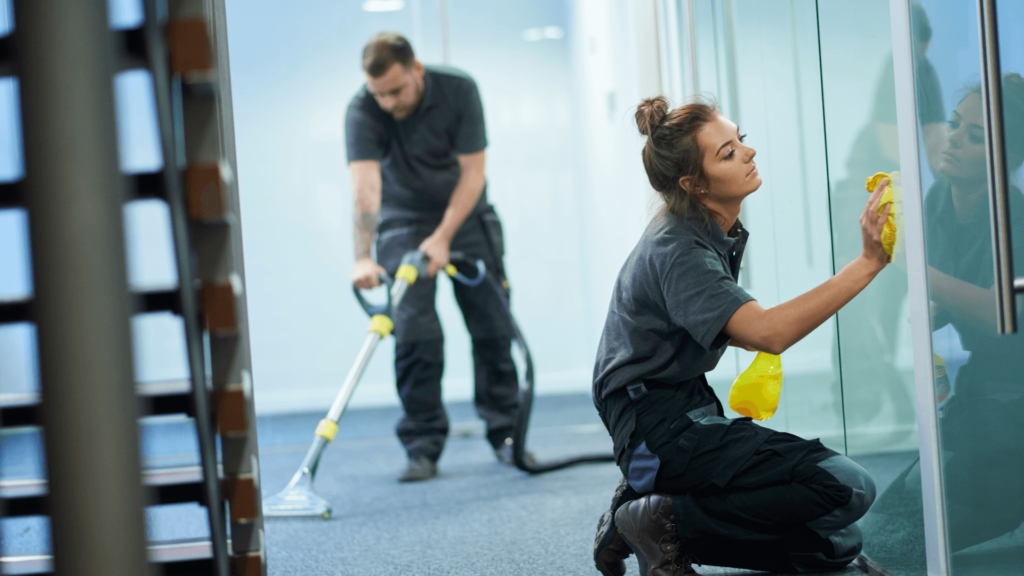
(182, 43)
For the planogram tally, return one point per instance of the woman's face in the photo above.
(963, 157)
(728, 162)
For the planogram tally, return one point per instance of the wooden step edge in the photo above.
(158, 552)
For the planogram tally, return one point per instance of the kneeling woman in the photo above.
(699, 487)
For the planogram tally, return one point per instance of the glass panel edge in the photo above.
(924, 385)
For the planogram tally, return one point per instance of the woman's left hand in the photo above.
(871, 223)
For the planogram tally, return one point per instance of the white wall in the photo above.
(564, 173)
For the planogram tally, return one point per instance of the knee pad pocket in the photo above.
(850, 474)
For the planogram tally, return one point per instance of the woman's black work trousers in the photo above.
(746, 496)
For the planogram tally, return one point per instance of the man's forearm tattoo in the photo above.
(365, 230)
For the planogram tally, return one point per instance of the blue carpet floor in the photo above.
(477, 518)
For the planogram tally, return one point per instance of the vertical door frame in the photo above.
(933, 494)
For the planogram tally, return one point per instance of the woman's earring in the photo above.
(703, 191)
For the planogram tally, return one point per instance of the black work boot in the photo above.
(649, 530)
(419, 468)
(610, 550)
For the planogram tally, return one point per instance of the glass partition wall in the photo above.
(972, 214)
(817, 86)
(812, 84)
(873, 332)
(759, 62)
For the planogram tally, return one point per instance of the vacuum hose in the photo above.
(526, 384)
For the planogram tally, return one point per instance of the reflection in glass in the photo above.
(877, 400)
(980, 423)
(980, 406)
(873, 337)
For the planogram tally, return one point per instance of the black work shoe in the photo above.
(610, 550)
(419, 468)
(649, 530)
(504, 455)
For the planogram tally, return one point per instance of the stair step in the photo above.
(172, 485)
(7, 67)
(12, 311)
(168, 300)
(162, 397)
(179, 557)
(132, 45)
(137, 186)
(10, 195)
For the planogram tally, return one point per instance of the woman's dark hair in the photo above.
(672, 152)
(1013, 117)
(383, 51)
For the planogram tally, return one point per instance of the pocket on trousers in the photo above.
(495, 233)
(393, 243)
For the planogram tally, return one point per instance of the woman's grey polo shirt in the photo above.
(674, 295)
(418, 156)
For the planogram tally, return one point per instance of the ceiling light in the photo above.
(554, 32)
(545, 33)
(533, 34)
(383, 5)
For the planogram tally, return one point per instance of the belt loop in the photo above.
(636, 391)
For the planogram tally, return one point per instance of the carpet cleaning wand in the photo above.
(298, 498)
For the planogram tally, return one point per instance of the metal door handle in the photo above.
(1007, 286)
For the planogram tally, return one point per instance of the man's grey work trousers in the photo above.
(419, 348)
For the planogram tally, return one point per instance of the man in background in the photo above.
(416, 151)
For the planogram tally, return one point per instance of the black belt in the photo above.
(640, 389)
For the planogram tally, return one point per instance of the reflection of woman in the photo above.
(981, 425)
(870, 326)
(706, 488)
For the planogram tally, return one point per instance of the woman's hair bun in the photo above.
(650, 113)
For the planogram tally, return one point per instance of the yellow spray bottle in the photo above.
(755, 392)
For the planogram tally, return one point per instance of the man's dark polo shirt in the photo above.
(418, 156)
(674, 295)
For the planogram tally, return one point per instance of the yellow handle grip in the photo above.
(326, 429)
(382, 325)
(408, 273)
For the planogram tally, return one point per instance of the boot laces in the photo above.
(681, 562)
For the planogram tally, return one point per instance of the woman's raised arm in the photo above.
(780, 327)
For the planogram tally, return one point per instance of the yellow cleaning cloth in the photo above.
(755, 392)
(893, 195)
(942, 386)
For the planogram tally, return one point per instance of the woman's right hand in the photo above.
(871, 224)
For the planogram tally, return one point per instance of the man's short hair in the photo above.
(919, 24)
(383, 51)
